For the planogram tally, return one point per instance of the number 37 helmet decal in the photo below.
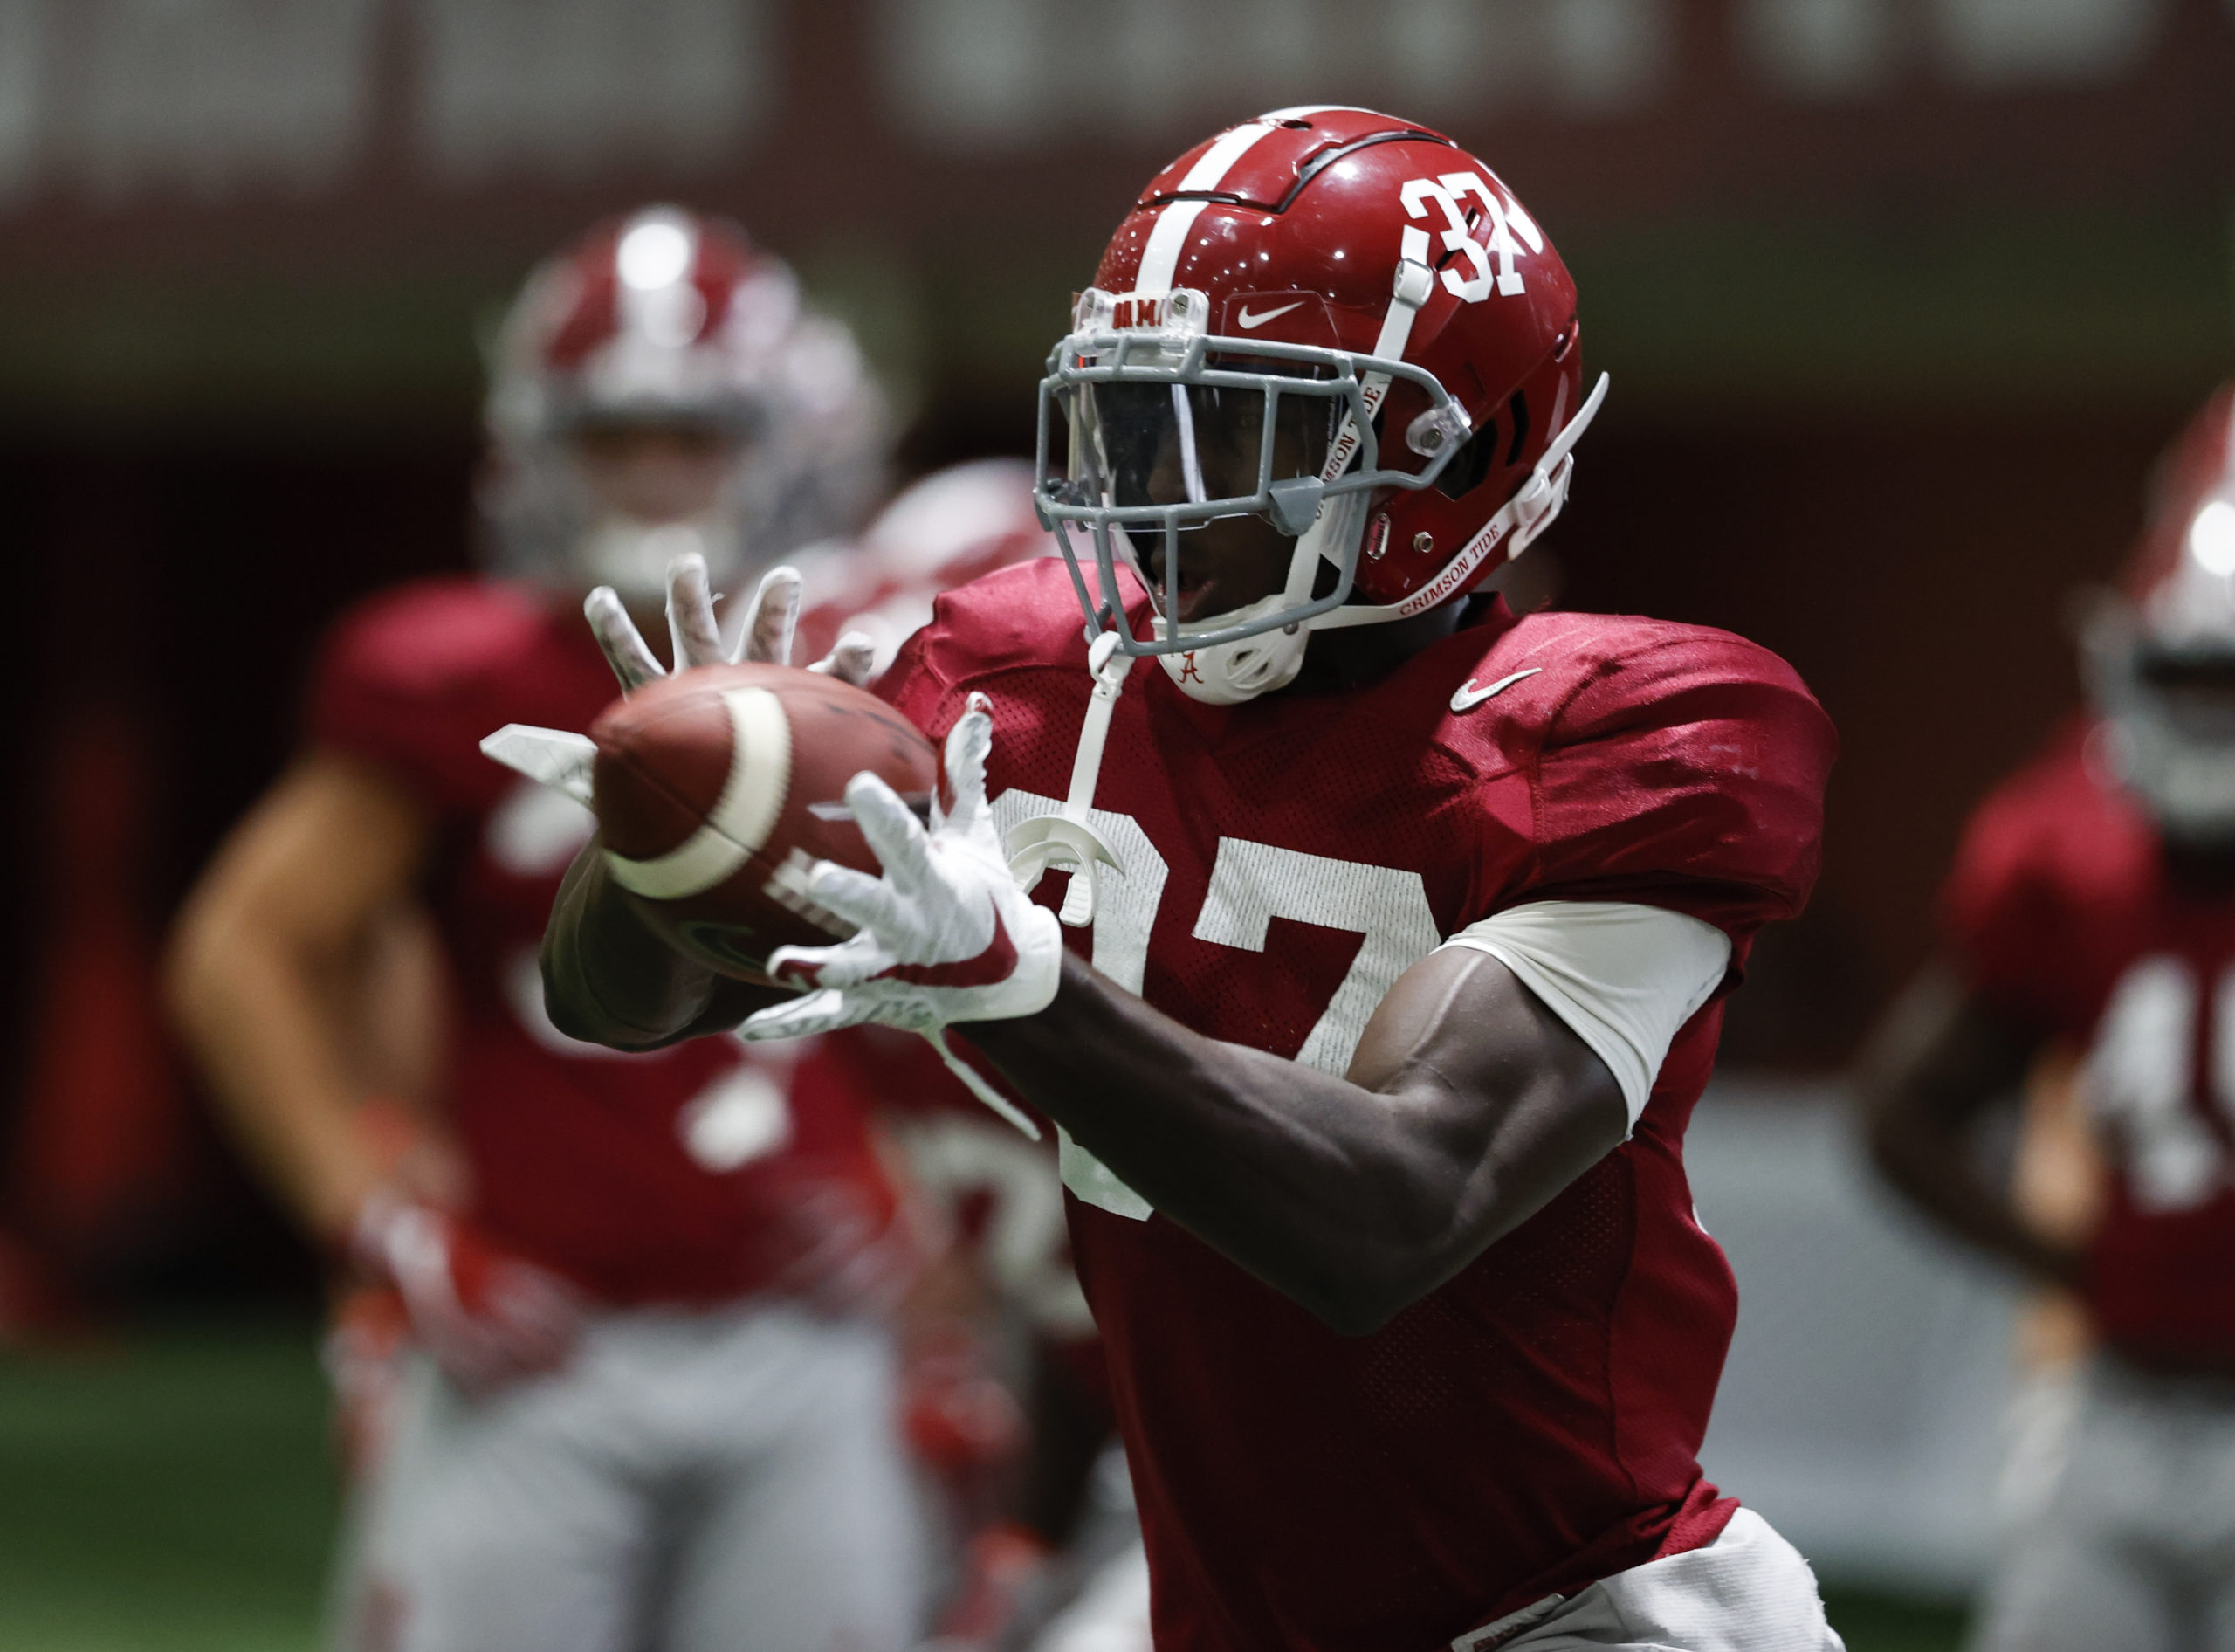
(1340, 322)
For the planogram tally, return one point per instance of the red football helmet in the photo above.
(2160, 656)
(1339, 321)
(670, 323)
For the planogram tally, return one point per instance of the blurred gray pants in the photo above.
(2122, 1517)
(691, 1481)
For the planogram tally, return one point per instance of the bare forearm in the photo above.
(264, 1037)
(608, 979)
(1351, 1200)
(1932, 1165)
(1929, 1077)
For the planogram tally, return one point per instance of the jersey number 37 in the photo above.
(1250, 885)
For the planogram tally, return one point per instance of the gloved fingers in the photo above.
(812, 1013)
(968, 743)
(899, 838)
(848, 964)
(851, 659)
(625, 650)
(690, 624)
(860, 898)
(769, 621)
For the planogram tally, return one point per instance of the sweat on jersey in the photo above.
(686, 1175)
(2066, 917)
(1534, 1424)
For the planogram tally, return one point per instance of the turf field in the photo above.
(173, 1493)
(170, 1494)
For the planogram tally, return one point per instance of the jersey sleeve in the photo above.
(977, 634)
(410, 681)
(913, 687)
(1686, 773)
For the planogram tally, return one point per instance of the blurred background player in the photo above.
(650, 1398)
(2091, 914)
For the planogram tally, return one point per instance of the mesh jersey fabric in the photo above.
(1622, 976)
(2064, 915)
(582, 1158)
(1533, 1424)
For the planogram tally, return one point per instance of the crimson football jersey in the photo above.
(1533, 1424)
(688, 1175)
(2066, 917)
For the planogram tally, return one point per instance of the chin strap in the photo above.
(1052, 842)
(1524, 516)
(975, 1082)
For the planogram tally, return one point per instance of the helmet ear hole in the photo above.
(1471, 466)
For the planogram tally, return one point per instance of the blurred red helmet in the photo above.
(2160, 655)
(943, 530)
(666, 321)
(1374, 333)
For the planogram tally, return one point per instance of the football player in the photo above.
(653, 1399)
(1410, 923)
(2091, 914)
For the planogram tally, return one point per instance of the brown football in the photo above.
(718, 789)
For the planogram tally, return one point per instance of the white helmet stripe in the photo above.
(1166, 241)
(1217, 161)
(1169, 238)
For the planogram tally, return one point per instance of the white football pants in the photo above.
(691, 1481)
(1748, 1590)
(2121, 1517)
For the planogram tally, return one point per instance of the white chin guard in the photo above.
(1228, 673)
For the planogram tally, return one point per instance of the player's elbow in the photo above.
(205, 949)
(1415, 1238)
(1358, 1299)
(1897, 1132)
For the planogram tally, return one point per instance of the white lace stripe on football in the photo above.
(752, 795)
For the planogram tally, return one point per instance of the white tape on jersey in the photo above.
(753, 796)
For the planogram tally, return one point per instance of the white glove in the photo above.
(562, 760)
(697, 638)
(487, 1315)
(946, 933)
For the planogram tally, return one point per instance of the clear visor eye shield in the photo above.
(1169, 427)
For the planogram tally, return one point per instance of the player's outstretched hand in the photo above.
(695, 637)
(487, 1316)
(946, 933)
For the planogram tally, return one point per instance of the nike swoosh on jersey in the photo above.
(1466, 697)
(1248, 321)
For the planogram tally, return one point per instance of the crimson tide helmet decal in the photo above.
(1339, 321)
